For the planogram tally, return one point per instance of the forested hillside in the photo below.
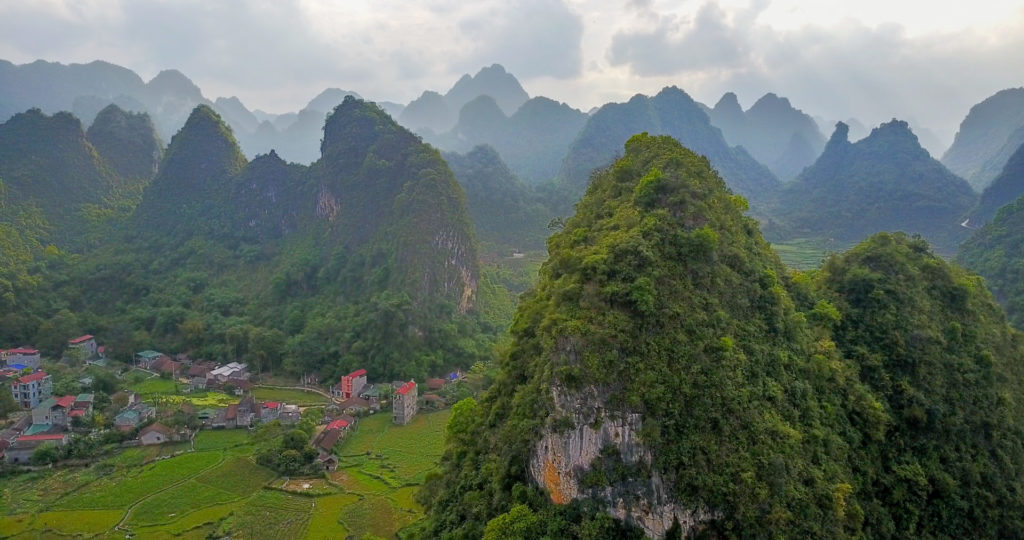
(366, 257)
(996, 252)
(668, 376)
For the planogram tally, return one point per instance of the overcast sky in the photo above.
(923, 61)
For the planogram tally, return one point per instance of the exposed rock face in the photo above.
(561, 459)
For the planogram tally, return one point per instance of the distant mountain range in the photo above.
(989, 134)
(884, 182)
(671, 112)
(775, 133)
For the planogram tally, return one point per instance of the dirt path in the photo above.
(306, 388)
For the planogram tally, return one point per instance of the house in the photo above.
(206, 416)
(231, 416)
(30, 390)
(82, 406)
(145, 359)
(327, 438)
(404, 404)
(197, 384)
(350, 385)
(354, 406)
(220, 419)
(329, 461)
(86, 344)
(164, 364)
(234, 370)
(371, 393)
(241, 386)
(248, 412)
(133, 415)
(269, 411)
(53, 411)
(434, 401)
(435, 384)
(200, 369)
(22, 356)
(289, 414)
(23, 447)
(157, 433)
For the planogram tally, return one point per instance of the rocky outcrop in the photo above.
(582, 440)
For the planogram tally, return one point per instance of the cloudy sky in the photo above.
(923, 61)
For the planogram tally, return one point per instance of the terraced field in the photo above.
(218, 490)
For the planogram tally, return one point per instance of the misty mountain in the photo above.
(128, 142)
(988, 135)
(775, 133)
(671, 112)
(433, 114)
(1005, 189)
(532, 141)
(507, 214)
(884, 182)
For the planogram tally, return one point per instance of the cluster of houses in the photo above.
(355, 395)
(49, 422)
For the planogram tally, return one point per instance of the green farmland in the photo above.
(218, 490)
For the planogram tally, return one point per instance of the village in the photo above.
(95, 406)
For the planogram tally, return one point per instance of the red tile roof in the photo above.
(81, 339)
(406, 387)
(328, 439)
(271, 404)
(66, 401)
(39, 375)
(23, 350)
(435, 384)
(357, 373)
(77, 412)
(337, 424)
(43, 437)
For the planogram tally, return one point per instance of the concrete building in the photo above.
(404, 403)
(31, 390)
(350, 385)
(22, 356)
(87, 344)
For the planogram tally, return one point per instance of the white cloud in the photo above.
(872, 59)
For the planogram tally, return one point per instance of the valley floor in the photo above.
(217, 489)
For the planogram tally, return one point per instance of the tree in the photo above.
(295, 439)
(7, 403)
(519, 522)
(44, 454)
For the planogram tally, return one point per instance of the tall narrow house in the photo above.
(404, 405)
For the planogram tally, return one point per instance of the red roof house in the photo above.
(79, 340)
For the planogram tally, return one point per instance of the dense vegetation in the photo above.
(367, 258)
(1006, 188)
(996, 252)
(877, 397)
(672, 112)
(885, 182)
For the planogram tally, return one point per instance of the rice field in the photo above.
(288, 395)
(219, 491)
